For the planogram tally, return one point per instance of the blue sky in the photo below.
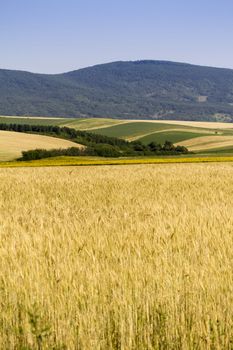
(51, 36)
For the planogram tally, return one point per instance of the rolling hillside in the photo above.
(196, 136)
(13, 143)
(141, 89)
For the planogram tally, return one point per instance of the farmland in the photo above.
(146, 131)
(208, 143)
(214, 136)
(202, 138)
(133, 257)
(92, 161)
(13, 143)
(130, 255)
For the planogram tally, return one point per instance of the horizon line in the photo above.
(117, 61)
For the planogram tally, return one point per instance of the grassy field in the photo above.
(13, 143)
(186, 133)
(32, 120)
(127, 258)
(132, 130)
(172, 135)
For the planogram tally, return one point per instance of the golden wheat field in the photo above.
(117, 257)
(208, 142)
(13, 143)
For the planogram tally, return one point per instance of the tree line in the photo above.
(77, 136)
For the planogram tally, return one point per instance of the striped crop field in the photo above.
(195, 124)
(208, 143)
(146, 131)
(214, 135)
(129, 258)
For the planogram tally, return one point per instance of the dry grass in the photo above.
(207, 143)
(13, 143)
(134, 257)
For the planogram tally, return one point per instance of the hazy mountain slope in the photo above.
(149, 89)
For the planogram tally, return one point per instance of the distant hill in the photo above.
(140, 89)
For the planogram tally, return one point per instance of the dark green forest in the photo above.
(140, 89)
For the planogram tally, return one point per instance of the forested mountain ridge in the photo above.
(140, 89)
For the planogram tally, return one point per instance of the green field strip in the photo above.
(138, 130)
(217, 150)
(132, 129)
(31, 121)
(173, 136)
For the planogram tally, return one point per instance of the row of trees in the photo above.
(78, 136)
(154, 147)
(99, 151)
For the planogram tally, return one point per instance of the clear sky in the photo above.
(52, 36)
